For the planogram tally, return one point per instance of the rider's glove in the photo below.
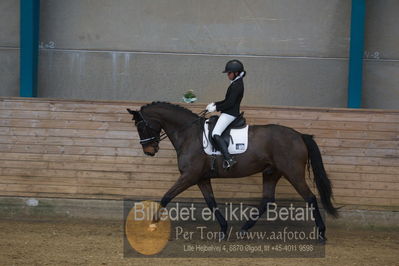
(211, 107)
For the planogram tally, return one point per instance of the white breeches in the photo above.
(222, 123)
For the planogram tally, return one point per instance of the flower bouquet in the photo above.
(189, 97)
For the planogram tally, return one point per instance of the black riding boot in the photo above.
(228, 160)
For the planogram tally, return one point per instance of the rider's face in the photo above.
(230, 75)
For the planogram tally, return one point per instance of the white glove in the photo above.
(211, 107)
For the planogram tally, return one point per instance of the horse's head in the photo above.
(149, 132)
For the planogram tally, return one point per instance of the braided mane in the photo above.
(175, 106)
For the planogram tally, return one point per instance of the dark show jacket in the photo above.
(231, 104)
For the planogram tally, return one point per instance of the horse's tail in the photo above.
(320, 176)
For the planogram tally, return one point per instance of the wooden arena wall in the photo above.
(90, 149)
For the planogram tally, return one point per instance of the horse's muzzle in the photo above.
(150, 150)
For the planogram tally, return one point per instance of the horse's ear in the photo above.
(131, 112)
(134, 113)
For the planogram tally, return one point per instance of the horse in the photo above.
(274, 150)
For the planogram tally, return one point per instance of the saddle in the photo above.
(238, 123)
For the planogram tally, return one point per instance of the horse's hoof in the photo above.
(223, 236)
(322, 240)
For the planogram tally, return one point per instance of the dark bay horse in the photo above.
(274, 150)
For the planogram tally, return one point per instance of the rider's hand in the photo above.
(211, 107)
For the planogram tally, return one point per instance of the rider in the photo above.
(230, 107)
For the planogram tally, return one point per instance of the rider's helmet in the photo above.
(234, 66)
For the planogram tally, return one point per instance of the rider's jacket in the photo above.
(231, 104)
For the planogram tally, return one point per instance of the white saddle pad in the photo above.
(238, 144)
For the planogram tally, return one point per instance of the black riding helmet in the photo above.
(234, 66)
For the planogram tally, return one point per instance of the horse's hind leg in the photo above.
(207, 191)
(297, 179)
(269, 188)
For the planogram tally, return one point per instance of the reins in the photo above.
(163, 135)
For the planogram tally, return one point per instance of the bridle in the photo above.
(163, 135)
(147, 125)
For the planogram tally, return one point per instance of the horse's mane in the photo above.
(176, 106)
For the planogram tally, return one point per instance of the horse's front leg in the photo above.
(184, 182)
(206, 189)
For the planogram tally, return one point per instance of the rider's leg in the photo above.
(223, 147)
(222, 123)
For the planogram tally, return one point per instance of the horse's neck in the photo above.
(178, 126)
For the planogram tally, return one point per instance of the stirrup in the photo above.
(229, 163)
